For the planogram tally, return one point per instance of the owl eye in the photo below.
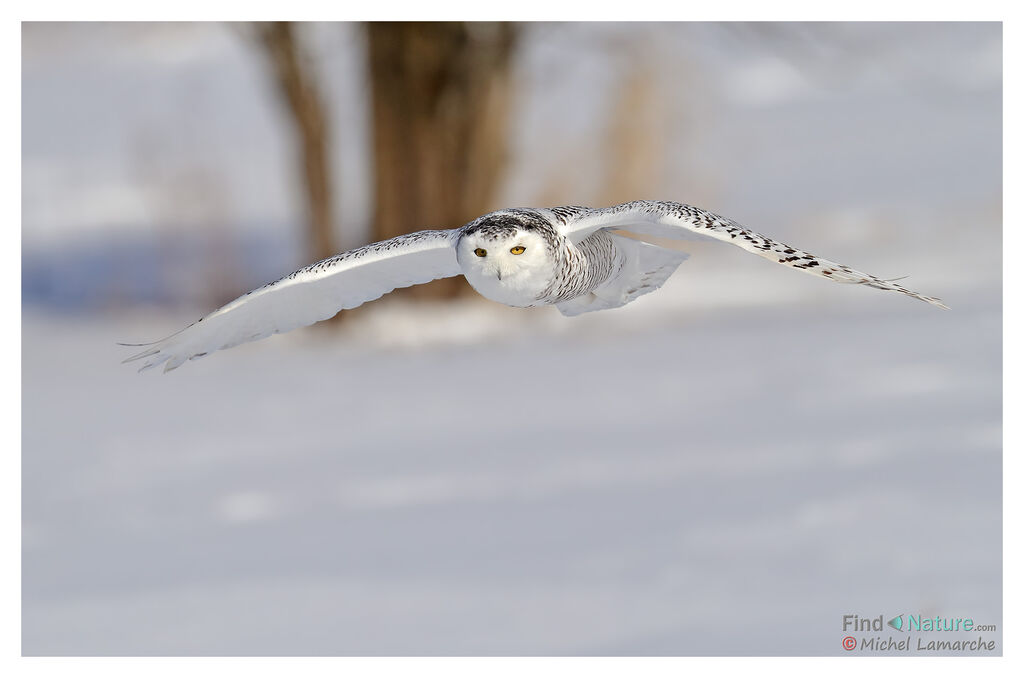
(518, 249)
(480, 252)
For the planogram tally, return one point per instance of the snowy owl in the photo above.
(574, 258)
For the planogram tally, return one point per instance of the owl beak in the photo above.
(498, 272)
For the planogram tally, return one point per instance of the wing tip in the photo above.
(934, 301)
(889, 284)
(140, 356)
(156, 355)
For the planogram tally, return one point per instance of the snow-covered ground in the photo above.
(629, 482)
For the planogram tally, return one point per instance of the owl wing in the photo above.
(679, 221)
(311, 294)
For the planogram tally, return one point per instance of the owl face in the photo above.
(508, 264)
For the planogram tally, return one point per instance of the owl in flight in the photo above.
(571, 257)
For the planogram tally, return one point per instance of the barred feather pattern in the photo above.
(582, 268)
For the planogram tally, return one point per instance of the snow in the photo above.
(629, 482)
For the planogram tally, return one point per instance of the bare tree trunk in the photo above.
(440, 106)
(298, 87)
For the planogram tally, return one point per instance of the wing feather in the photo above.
(679, 221)
(311, 294)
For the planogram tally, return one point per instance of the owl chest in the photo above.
(583, 268)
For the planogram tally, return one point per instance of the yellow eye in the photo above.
(518, 249)
(480, 252)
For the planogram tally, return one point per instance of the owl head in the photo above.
(506, 257)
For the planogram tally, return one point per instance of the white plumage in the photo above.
(569, 257)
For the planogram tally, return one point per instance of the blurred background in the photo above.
(727, 466)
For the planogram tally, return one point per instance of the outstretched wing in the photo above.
(675, 220)
(311, 294)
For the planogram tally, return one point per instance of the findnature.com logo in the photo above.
(864, 634)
